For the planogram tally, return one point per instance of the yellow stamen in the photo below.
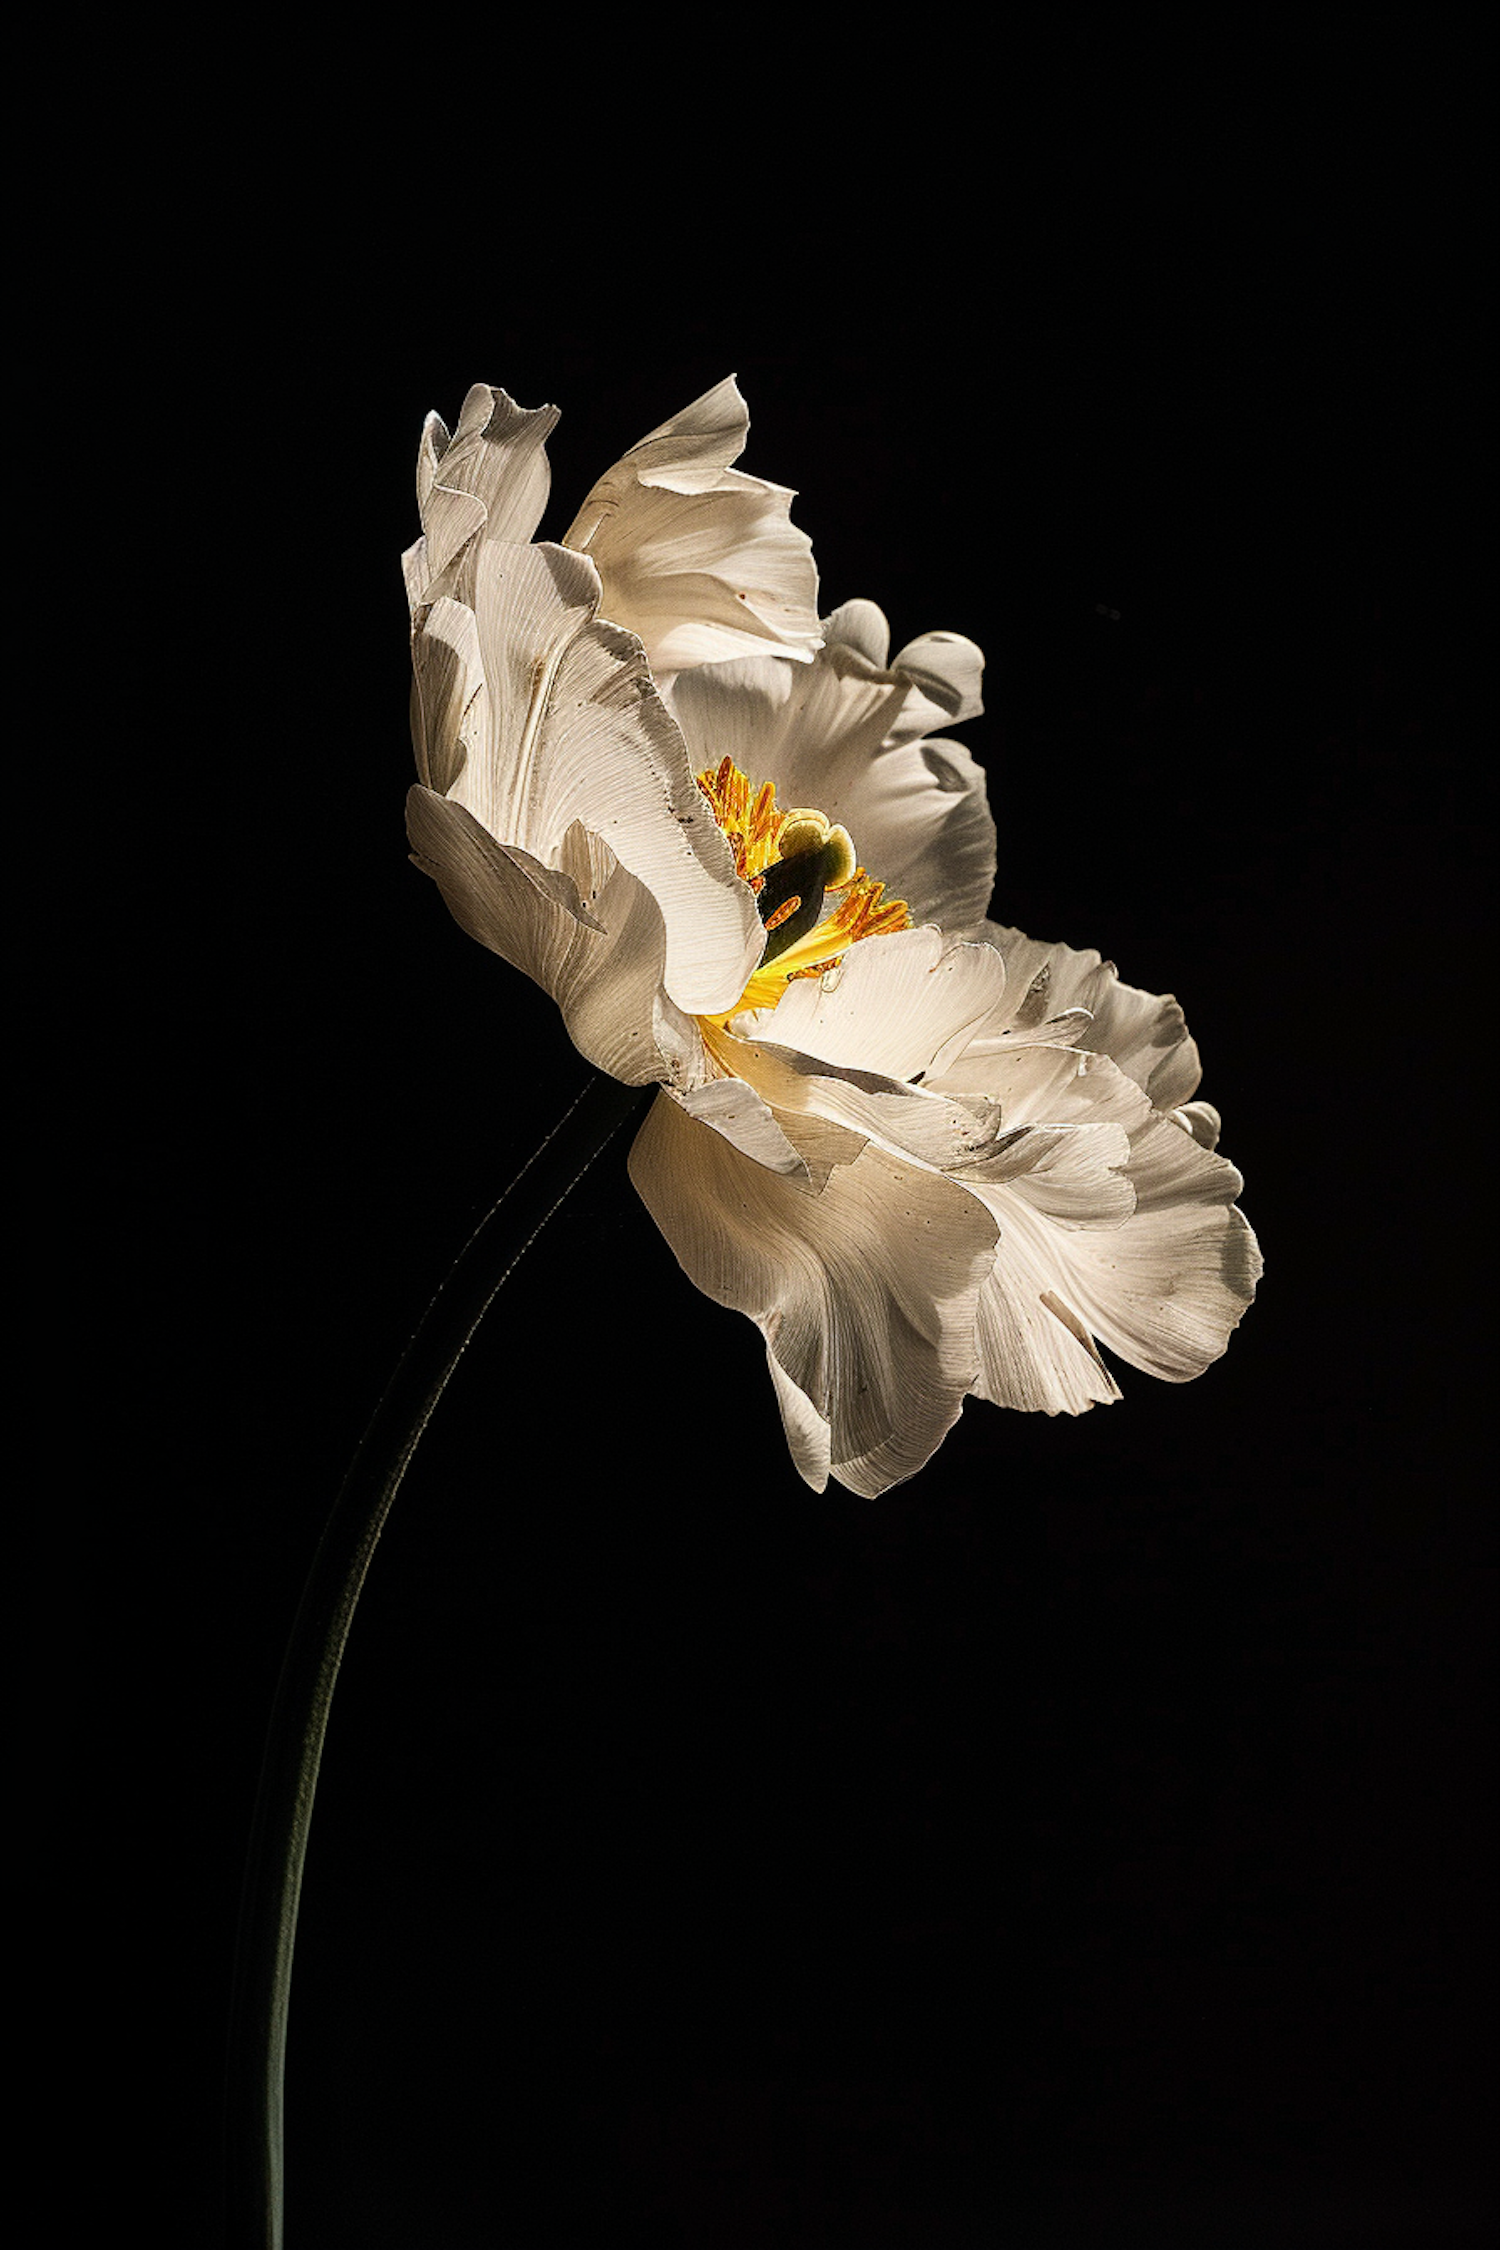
(855, 906)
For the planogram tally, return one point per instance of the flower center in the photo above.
(815, 900)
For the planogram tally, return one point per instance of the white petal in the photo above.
(688, 453)
(530, 604)
(1072, 1170)
(917, 811)
(734, 1108)
(431, 446)
(942, 672)
(698, 559)
(434, 565)
(809, 728)
(718, 1097)
(866, 1293)
(1142, 1032)
(1202, 1120)
(808, 1436)
(587, 932)
(942, 1132)
(490, 477)
(860, 625)
(927, 832)
(448, 710)
(1074, 1175)
(947, 668)
(1037, 1355)
(1046, 1084)
(1164, 1284)
(576, 731)
(1168, 1288)
(898, 1005)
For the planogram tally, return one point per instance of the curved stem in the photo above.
(294, 1744)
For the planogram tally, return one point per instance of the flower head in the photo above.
(927, 1156)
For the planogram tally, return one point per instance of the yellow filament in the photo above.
(855, 906)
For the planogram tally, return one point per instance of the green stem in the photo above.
(299, 1720)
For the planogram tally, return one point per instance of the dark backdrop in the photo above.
(1084, 1843)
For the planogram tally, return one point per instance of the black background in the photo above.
(1085, 1842)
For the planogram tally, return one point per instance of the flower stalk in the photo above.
(299, 1720)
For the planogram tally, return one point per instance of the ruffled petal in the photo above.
(1073, 1171)
(1202, 1120)
(930, 829)
(698, 559)
(900, 1004)
(575, 730)
(1075, 1175)
(1142, 1032)
(1167, 1289)
(866, 1293)
(811, 729)
(736, 1109)
(808, 1436)
(530, 604)
(1051, 1083)
(824, 733)
(860, 625)
(449, 711)
(1163, 1279)
(943, 670)
(942, 1132)
(947, 668)
(587, 931)
(490, 477)
(498, 452)
(1036, 1354)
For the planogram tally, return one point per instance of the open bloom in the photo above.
(926, 1155)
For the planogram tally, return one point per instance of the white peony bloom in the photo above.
(927, 1156)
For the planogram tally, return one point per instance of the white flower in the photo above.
(926, 1155)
